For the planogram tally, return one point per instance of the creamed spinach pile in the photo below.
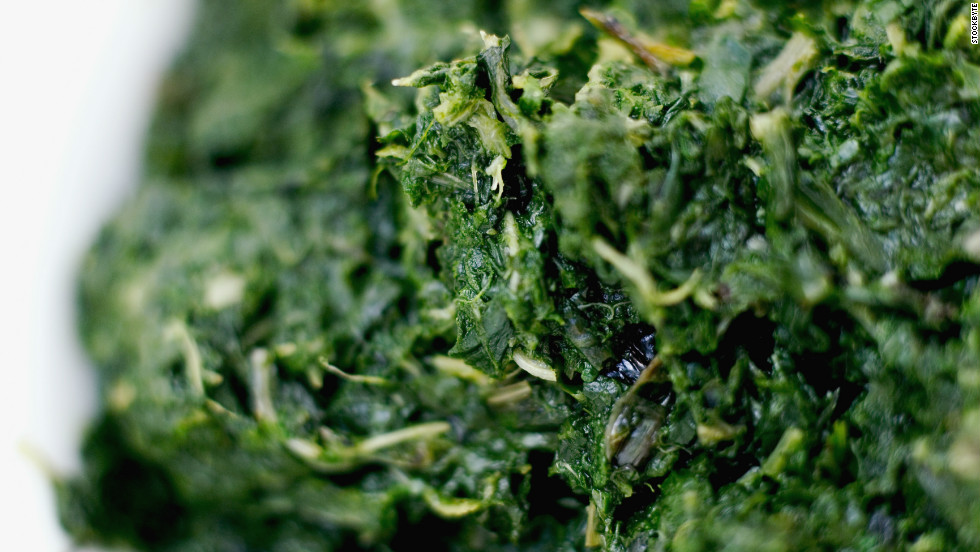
(545, 275)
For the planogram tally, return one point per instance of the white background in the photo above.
(77, 82)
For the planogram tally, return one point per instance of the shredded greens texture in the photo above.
(627, 276)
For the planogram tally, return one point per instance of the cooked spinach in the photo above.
(679, 275)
